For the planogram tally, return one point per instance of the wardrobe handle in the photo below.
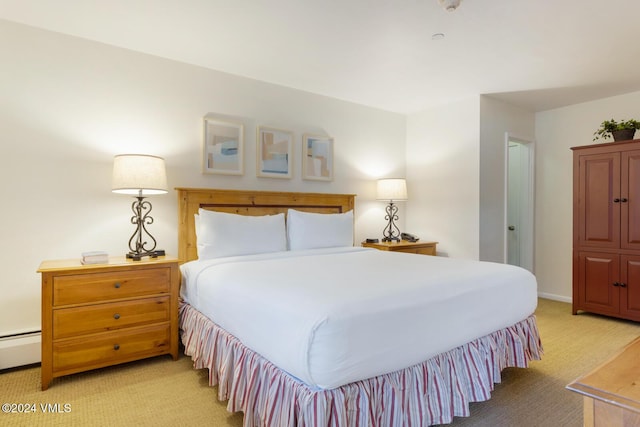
(622, 285)
(616, 284)
(624, 200)
(616, 200)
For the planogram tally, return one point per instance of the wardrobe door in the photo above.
(598, 276)
(598, 201)
(630, 287)
(630, 200)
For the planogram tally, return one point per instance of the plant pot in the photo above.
(623, 134)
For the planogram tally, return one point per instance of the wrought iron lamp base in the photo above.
(391, 232)
(152, 254)
(139, 247)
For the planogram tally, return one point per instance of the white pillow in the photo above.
(222, 234)
(307, 230)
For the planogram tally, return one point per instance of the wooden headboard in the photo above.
(247, 202)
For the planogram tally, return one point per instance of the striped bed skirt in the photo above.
(431, 392)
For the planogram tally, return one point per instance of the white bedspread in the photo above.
(333, 316)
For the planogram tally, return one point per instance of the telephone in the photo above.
(409, 237)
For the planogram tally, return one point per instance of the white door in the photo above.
(514, 188)
(519, 203)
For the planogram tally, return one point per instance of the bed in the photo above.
(300, 327)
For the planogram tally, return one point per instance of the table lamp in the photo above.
(140, 175)
(391, 189)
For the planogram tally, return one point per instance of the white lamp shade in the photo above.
(392, 189)
(139, 174)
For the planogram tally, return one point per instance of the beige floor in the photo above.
(161, 392)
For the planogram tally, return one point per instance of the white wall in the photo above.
(69, 105)
(443, 158)
(556, 131)
(456, 177)
(455, 166)
(496, 118)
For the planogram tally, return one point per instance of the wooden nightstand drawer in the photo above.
(104, 314)
(86, 288)
(69, 322)
(87, 352)
(431, 250)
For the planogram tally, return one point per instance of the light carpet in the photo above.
(161, 392)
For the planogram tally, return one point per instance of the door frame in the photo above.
(527, 241)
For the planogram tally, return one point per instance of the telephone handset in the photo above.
(409, 237)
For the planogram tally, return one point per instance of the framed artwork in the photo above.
(223, 142)
(317, 158)
(274, 153)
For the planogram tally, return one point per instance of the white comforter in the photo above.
(333, 316)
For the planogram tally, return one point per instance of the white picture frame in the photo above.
(223, 145)
(317, 158)
(274, 153)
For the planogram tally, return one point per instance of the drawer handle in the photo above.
(116, 316)
(117, 285)
(116, 347)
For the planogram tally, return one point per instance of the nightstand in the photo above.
(99, 315)
(422, 248)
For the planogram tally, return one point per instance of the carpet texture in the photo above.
(161, 392)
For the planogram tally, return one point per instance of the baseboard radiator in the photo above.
(20, 349)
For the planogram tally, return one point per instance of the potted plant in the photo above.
(620, 131)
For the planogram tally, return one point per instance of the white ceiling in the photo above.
(539, 54)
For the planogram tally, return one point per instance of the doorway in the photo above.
(519, 192)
